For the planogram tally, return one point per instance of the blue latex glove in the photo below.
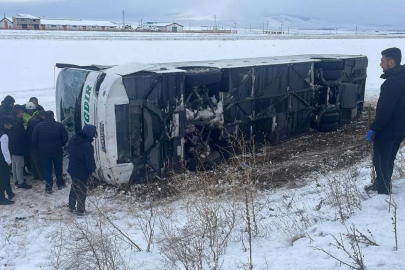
(370, 136)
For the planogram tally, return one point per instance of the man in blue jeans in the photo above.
(50, 136)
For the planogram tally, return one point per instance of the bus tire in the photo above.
(329, 118)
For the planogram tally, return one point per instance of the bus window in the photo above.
(68, 98)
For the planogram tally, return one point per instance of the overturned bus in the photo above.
(154, 119)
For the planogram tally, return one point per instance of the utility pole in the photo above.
(356, 29)
(234, 27)
(123, 18)
(215, 22)
(263, 27)
(267, 26)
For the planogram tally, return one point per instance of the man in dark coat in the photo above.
(388, 129)
(18, 147)
(5, 161)
(50, 136)
(81, 166)
(36, 159)
(6, 106)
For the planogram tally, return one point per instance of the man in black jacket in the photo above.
(6, 106)
(388, 129)
(50, 136)
(5, 161)
(81, 166)
(18, 147)
(36, 160)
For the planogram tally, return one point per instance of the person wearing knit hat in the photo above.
(6, 106)
(81, 166)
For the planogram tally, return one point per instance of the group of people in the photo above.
(32, 142)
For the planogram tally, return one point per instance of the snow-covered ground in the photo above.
(28, 65)
(291, 223)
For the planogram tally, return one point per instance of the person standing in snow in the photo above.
(37, 168)
(5, 161)
(388, 128)
(81, 166)
(6, 106)
(51, 136)
(30, 109)
(18, 147)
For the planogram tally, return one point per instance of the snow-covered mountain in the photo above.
(276, 22)
(301, 22)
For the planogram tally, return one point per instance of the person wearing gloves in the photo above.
(81, 165)
(388, 128)
(5, 161)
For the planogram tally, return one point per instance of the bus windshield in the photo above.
(69, 88)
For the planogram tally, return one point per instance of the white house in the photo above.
(6, 23)
(78, 25)
(26, 22)
(166, 27)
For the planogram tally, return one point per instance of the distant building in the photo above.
(274, 32)
(6, 23)
(77, 25)
(166, 27)
(30, 22)
(26, 22)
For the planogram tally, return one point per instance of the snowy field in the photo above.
(28, 65)
(289, 224)
(242, 34)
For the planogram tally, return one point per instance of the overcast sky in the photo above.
(376, 12)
